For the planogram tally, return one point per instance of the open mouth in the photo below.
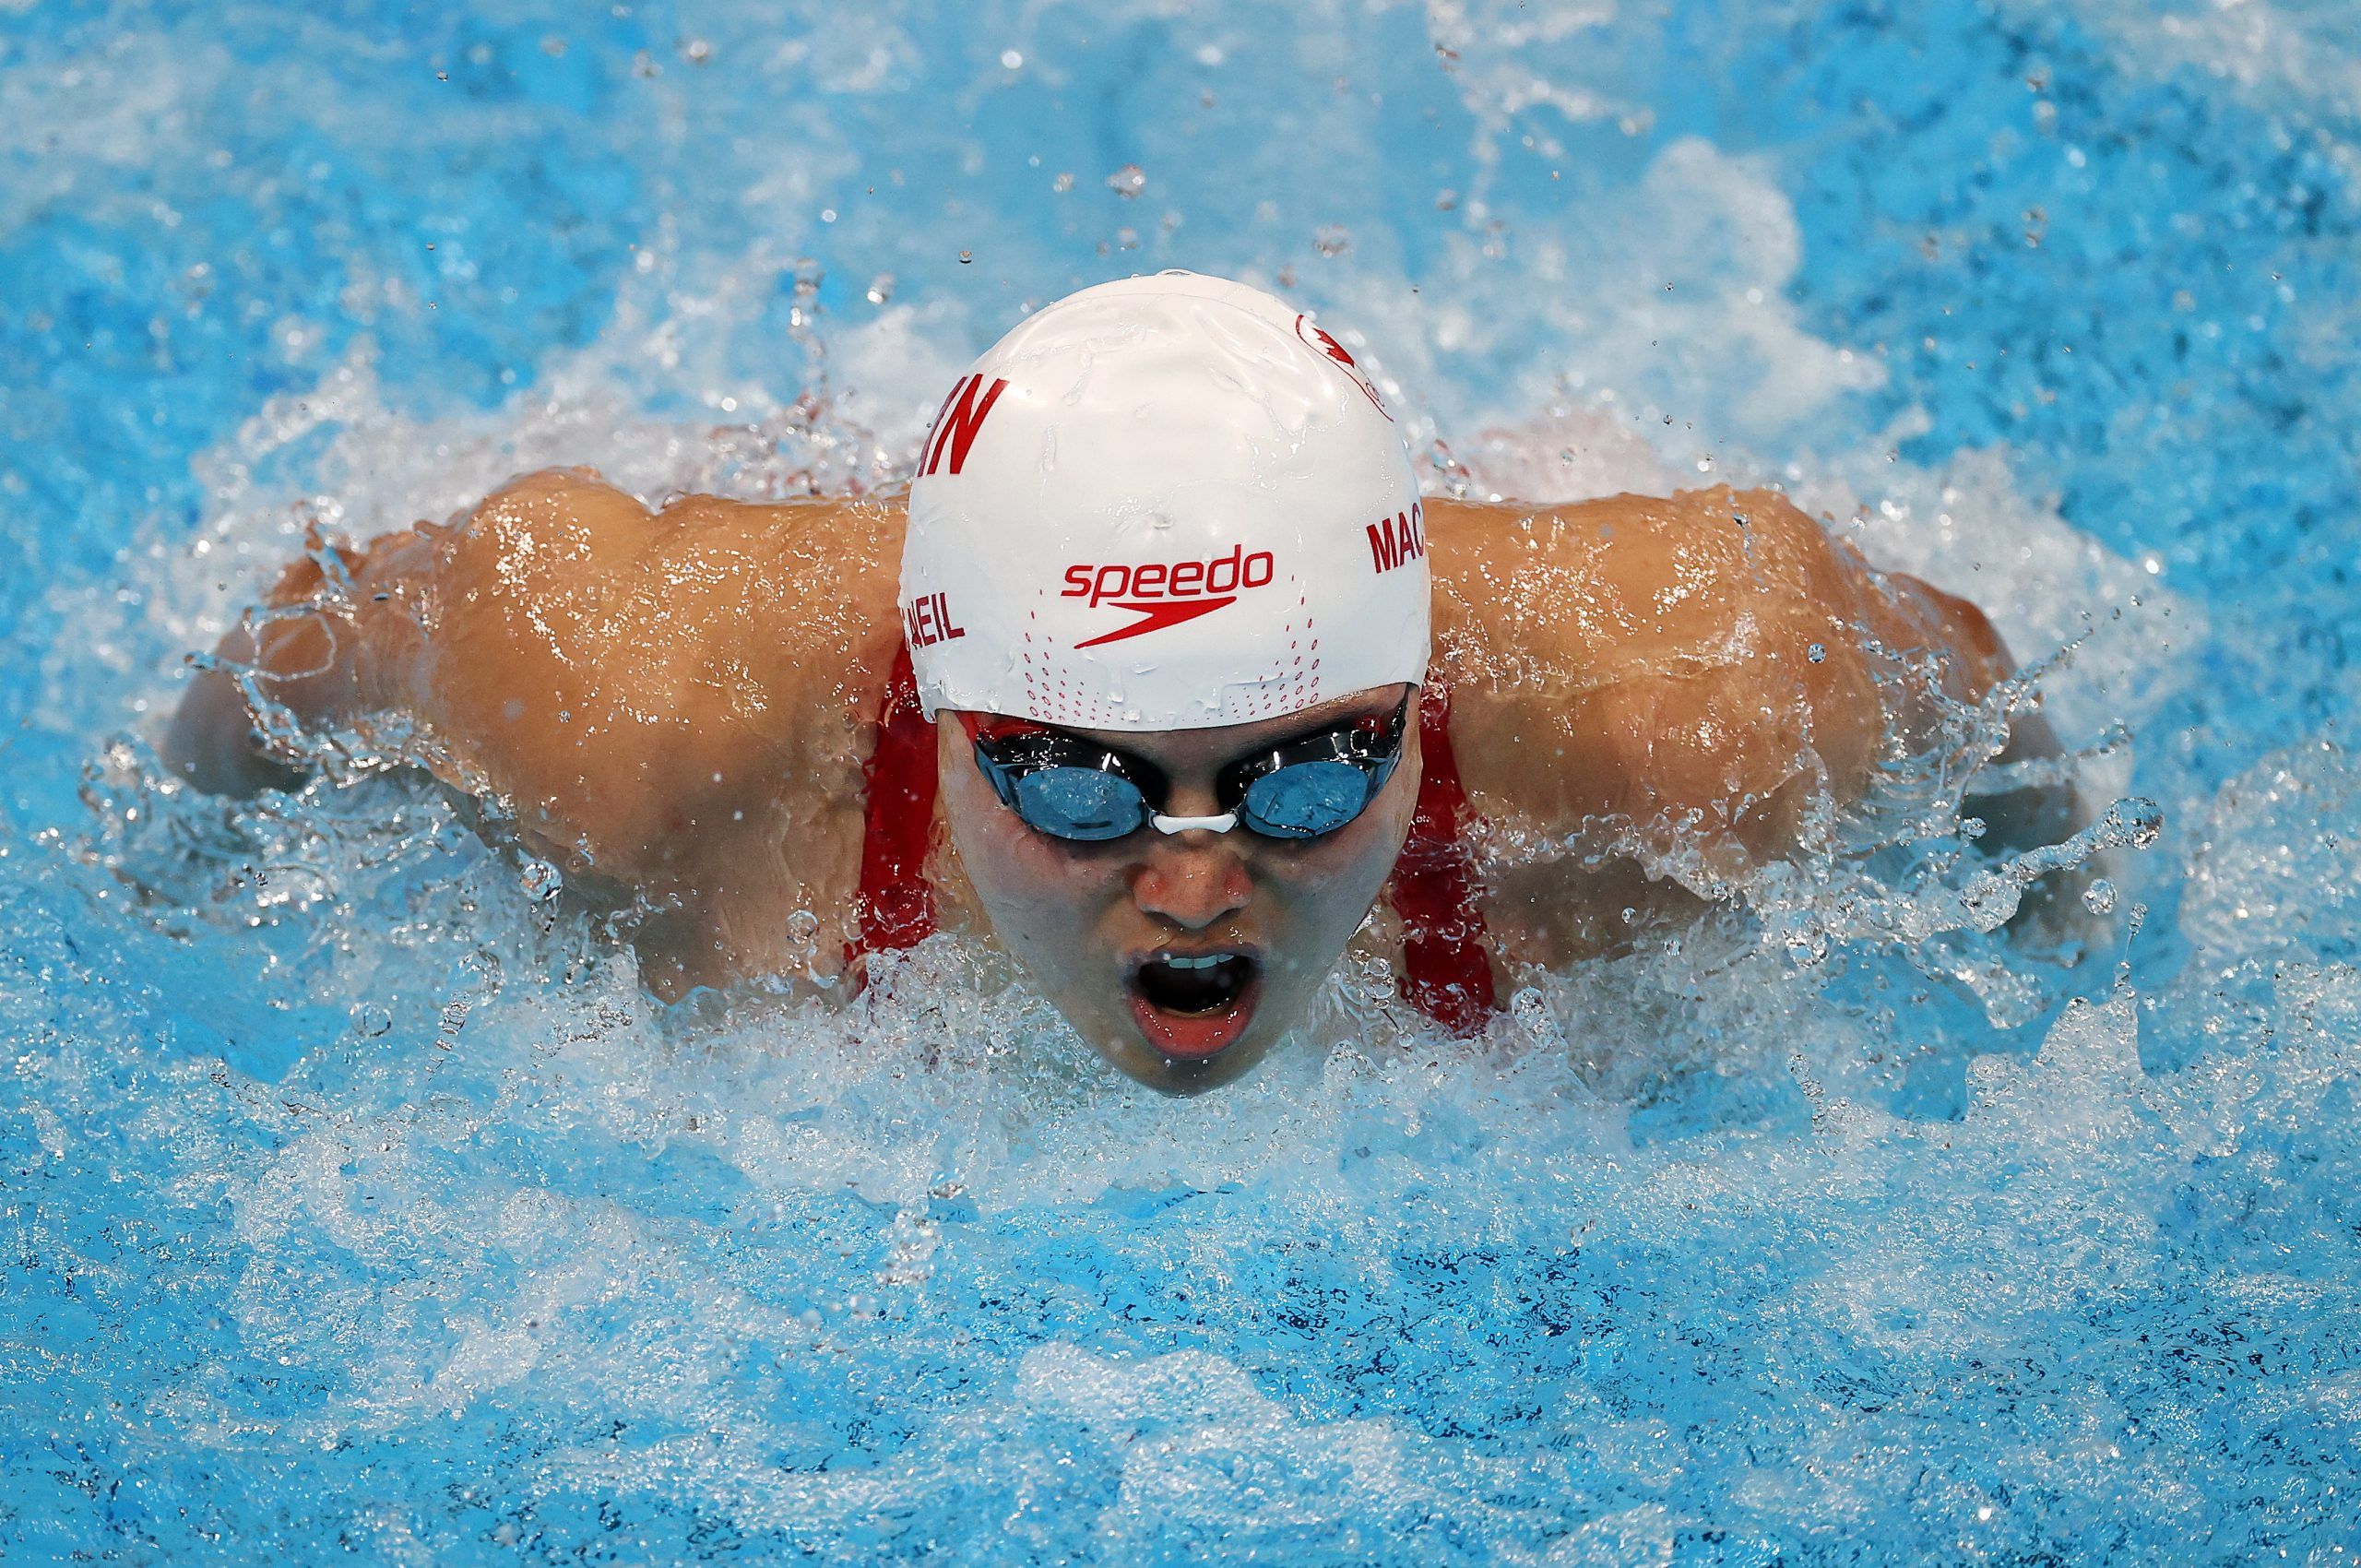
(1193, 1006)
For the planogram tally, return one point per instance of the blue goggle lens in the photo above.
(1080, 803)
(1069, 788)
(1306, 799)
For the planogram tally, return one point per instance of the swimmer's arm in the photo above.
(308, 650)
(1713, 683)
(2020, 817)
(538, 652)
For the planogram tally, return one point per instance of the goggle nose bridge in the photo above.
(1221, 824)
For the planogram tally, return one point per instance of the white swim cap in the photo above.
(1167, 502)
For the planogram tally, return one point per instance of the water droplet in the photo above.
(1010, 59)
(1807, 949)
(1816, 653)
(541, 881)
(2135, 820)
(1332, 239)
(1531, 1015)
(2099, 896)
(1988, 900)
(1128, 181)
(1063, 183)
(369, 1020)
(880, 288)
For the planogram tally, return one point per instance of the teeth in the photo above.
(1209, 961)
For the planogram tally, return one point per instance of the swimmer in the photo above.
(1136, 683)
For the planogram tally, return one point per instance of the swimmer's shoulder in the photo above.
(1677, 656)
(567, 535)
(1635, 576)
(703, 591)
(661, 678)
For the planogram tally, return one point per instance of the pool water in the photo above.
(356, 1202)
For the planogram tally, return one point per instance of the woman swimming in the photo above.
(1149, 700)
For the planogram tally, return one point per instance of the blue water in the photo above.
(355, 1203)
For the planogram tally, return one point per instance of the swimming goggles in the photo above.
(1069, 788)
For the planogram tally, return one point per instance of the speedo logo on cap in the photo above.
(1167, 593)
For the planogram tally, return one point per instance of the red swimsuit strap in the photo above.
(1447, 974)
(896, 906)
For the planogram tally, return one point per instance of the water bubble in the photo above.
(1988, 899)
(2099, 896)
(1011, 59)
(1816, 653)
(2135, 820)
(370, 1020)
(541, 880)
(1063, 183)
(880, 288)
(1128, 181)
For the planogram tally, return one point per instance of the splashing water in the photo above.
(358, 1201)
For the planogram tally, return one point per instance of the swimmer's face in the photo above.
(1183, 957)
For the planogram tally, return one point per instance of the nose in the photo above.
(1192, 879)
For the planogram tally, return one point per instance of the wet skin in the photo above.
(1082, 917)
(679, 704)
